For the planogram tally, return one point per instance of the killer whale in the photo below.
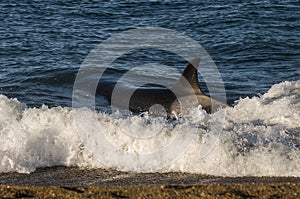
(170, 99)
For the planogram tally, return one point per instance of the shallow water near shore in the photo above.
(260, 137)
(254, 45)
(72, 176)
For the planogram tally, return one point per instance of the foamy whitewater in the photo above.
(260, 137)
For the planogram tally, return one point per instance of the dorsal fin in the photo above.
(190, 75)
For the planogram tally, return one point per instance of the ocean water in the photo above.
(255, 47)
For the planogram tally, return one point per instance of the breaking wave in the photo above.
(260, 137)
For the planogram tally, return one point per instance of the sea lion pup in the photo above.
(184, 94)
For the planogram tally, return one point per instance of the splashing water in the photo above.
(260, 137)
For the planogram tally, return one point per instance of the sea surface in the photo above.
(255, 46)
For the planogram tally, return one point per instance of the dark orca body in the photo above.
(143, 98)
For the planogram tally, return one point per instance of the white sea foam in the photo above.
(260, 137)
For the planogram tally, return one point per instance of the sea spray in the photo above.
(260, 137)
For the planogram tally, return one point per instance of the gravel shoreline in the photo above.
(72, 182)
(245, 190)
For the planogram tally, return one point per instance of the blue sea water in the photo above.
(255, 45)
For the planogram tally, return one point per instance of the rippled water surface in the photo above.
(43, 44)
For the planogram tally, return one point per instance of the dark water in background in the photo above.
(254, 45)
